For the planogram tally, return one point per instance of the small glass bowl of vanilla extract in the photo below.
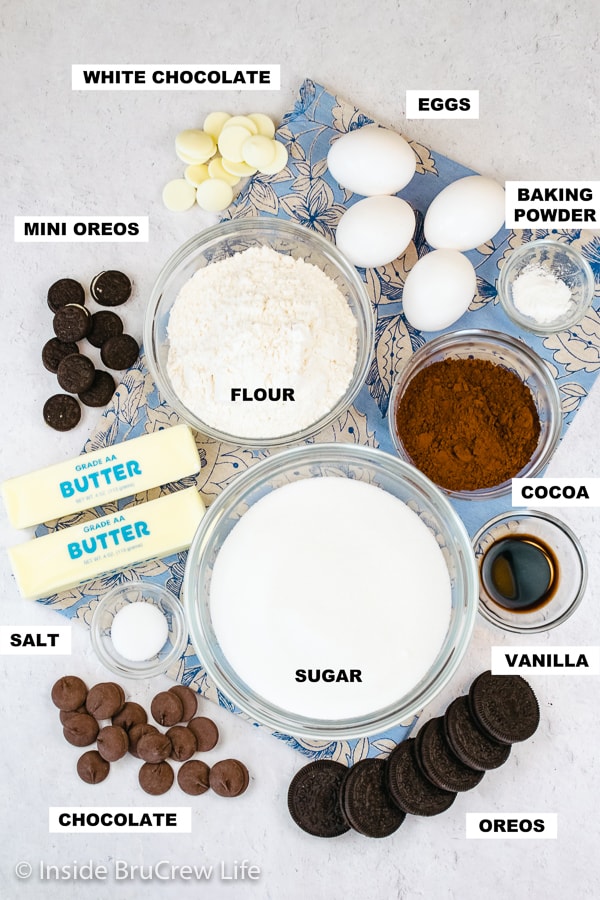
(532, 571)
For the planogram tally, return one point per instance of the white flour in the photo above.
(260, 319)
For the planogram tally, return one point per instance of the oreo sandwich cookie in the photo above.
(409, 788)
(104, 325)
(54, 351)
(100, 390)
(467, 740)
(504, 706)
(438, 762)
(366, 801)
(110, 288)
(71, 322)
(120, 351)
(61, 412)
(76, 373)
(314, 799)
(63, 292)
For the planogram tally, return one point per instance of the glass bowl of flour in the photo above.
(259, 332)
(331, 591)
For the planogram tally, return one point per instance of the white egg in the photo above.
(438, 290)
(465, 214)
(372, 161)
(375, 231)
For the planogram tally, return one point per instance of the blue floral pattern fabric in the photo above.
(305, 192)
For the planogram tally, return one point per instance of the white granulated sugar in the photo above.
(261, 319)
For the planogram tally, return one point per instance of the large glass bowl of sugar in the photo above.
(331, 591)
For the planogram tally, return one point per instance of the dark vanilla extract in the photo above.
(520, 573)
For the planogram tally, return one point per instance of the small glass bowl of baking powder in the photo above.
(546, 286)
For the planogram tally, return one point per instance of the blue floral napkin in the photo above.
(305, 192)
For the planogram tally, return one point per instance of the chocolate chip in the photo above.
(229, 778)
(119, 352)
(110, 288)
(156, 778)
(63, 292)
(167, 708)
(113, 743)
(69, 692)
(193, 777)
(189, 699)
(62, 412)
(205, 732)
(91, 768)
(183, 742)
(54, 351)
(100, 391)
(76, 373)
(71, 322)
(81, 729)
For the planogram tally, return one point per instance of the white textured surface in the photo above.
(105, 153)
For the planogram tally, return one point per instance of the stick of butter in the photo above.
(70, 556)
(93, 479)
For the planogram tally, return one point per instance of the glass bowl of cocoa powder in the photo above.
(473, 409)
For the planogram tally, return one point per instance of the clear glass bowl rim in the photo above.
(247, 227)
(259, 709)
(454, 339)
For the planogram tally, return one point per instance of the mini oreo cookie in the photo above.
(100, 391)
(366, 800)
(408, 786)
(71, 322)
(76, 373)
(467, 740)
(439, 763)
(54, 351)
(63, 292)
(156, 778)
(229, 778)
(91, 768)
(104, 325)
(193, 777)
(110, 288)
(314, 800)
(120, 351)
(504, 706)
(61, 412)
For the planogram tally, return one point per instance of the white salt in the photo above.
(138, 631)
(330, 573)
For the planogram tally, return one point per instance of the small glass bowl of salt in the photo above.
(546, 286)
(138, 630)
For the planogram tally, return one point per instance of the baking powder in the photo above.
(539, 294)
(261, 320)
